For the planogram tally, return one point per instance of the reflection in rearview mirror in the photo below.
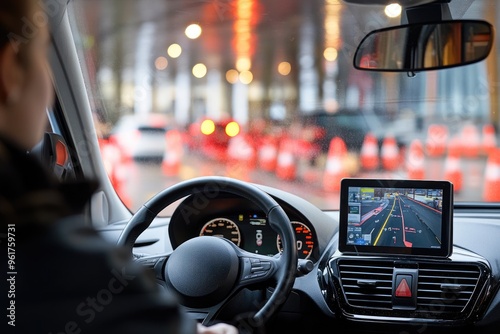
(425, 46)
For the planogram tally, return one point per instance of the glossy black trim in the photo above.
(446, 237)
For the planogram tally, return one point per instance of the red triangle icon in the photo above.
(403, 289)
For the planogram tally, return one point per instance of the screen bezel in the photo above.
(446, 222)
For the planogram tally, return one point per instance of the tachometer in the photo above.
(223, 228)
(304, 239)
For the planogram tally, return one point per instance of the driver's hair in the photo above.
(16, 23)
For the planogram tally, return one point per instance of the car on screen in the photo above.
(281, 242)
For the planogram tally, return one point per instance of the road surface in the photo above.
(401, 222)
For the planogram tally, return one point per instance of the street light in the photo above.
(232, 76)
(284, 68)
(330, 54)
(393, 10)
(174, 50)
(246, 77)
(161, 63)
(193, 31)
(199, 70)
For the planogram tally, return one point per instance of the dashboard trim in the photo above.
(471, 312)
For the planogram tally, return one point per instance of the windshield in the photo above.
(266, 91)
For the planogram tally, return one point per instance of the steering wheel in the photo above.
(207, 271)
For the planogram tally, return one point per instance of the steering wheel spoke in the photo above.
(255, 268)
(156, 263)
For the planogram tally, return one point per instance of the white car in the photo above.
(141, 137)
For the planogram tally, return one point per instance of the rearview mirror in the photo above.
(425, 46)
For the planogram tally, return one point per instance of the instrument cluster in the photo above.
(252, 233)
(240, 221)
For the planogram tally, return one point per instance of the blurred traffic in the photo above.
(271, 153)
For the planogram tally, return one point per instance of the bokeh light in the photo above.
(330, 54)
(193, 31)
(207, 127)
(284, 68)
(232, 76)
(232, 129)
(161, 63)
(174, 50)
(393, 10)
(243, 64)
(246, 77)
(199, 70)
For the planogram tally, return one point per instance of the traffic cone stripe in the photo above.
(415, 160)
(268, 154)
(333, 165)
(390, 154)
(492, 172)
(334, 169)
(437, 136)
(470, 141)
(285, 158)
(492, 177)
(489, 139)
(172, 156)
(369, 152)
(285, 165)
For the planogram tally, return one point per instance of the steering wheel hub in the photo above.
(202, 271)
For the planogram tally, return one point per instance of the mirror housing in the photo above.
(425, 46)
(54, 154)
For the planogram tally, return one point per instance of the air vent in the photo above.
(367, 283)
(445, 291)
(446, 288)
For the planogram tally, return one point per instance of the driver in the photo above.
(58, 274)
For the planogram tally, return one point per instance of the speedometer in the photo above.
(222, 228)
(303, 238)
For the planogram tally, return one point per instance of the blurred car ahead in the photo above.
(141, 137)
(211, 137)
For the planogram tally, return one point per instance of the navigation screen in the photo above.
(400, 217)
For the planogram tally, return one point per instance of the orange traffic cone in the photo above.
(118, 167)
(470, 141)
(123, 170)
(415, 160)
(390, 154)
(437, 136)
(268, 154)
(369, 152)
(241, 157)
(334, 170)
(491, 191)
(489, 142)
(173, 153)
(285, 163)
(452, 168)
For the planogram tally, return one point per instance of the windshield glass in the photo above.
(266, 91)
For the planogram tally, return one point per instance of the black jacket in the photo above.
(58, 275)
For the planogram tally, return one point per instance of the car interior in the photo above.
(360, 251)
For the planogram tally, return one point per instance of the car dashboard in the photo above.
(362, 292)
(357, 292)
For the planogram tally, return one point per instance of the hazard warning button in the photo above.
(403, 286)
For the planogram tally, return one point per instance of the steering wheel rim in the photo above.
(210, 186)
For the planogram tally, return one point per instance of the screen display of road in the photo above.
(400, 217)
(395, 217)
